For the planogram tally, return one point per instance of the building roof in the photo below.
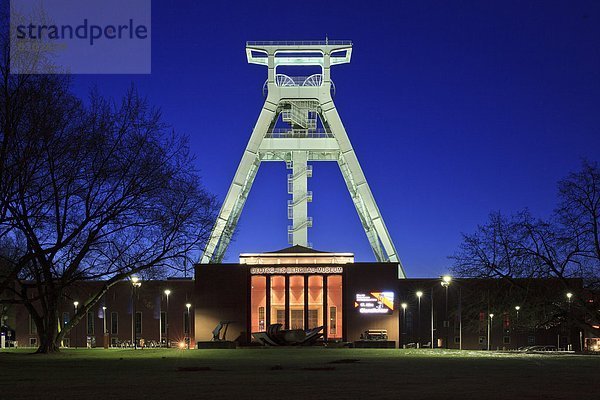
(296, 255)
(297, 249)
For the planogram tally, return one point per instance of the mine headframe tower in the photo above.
(299, 124)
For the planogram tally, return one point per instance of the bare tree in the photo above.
(579, 215)
(520, 248)
(98, 191)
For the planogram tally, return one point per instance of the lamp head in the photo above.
(75, 303)
(517, 308)
(446, 278)
(419, 294)
(491, 315)
(404, 305)
(104, 308)
(167, 292)
(188, 305)
(569, 295)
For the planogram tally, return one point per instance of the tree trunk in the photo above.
(48, 333)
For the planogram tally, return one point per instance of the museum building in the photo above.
(299, 288)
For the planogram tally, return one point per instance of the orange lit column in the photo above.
(306, 302)
(325, 315)
(287, 302)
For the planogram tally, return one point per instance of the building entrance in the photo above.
(297, 302)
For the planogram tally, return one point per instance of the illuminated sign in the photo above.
(295, 270)
(375, 302)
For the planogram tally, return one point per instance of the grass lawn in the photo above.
(296, 373)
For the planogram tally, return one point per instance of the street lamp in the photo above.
(490, 323)
(76, 303)
(167, 293)
(403, 333)
(104, 318)
(517, 308)
(569, 296)
(104, 323)
(135, 284)
(188, 305)
(419, 295)
(446, 279)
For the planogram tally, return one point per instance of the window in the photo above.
(163, 322)
(258, 301)
(32, 326)
(482, 323)
(32, 342)
(297, 319)
(530, 340)
(277, 300)
(506, 339)
(482, 339)
(506, 321)
(66, 317)
(296, 294)
(90, 323)
(332, 321)
(313, 318)
(114, 323)
(261, 319)
(138, 323)
(457, 339)
(315, 301)
(280, 317)
(334, 300)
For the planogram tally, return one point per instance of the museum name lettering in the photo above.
(296, 270)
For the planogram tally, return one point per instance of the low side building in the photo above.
(302, 288)
(145, 308)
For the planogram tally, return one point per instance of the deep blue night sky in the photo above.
(455, 109)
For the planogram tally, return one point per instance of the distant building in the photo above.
(303, 288)
(145, 308)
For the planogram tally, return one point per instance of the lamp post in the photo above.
(188, 305)
(105, 332)
(446, 279)
(419, 295)
(104, 319)
(167, 293)
(432, 321)
(75, 304)
(460, 318)
(403, 333)
(490, 324)
(516, 325)
(569, 345)
(135, 284)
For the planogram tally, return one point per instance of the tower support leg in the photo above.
(239, 189)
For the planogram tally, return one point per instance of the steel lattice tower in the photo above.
(313, 131)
